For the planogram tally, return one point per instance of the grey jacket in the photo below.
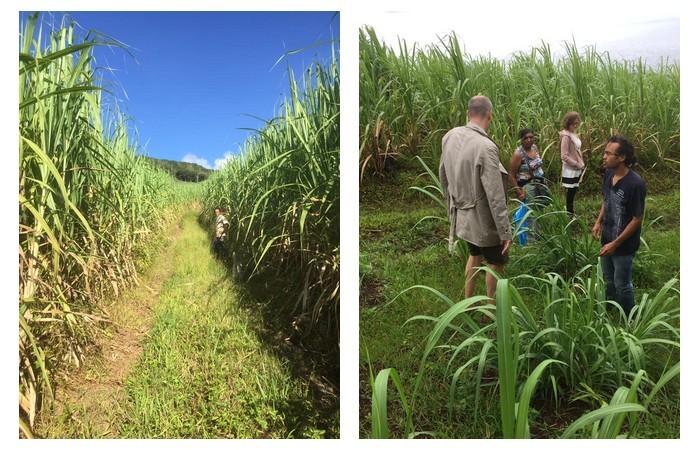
(475, 186)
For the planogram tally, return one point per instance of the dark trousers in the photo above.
(570, 194)
(218, 247)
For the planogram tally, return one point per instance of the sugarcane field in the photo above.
(161, 299)
(554, 347)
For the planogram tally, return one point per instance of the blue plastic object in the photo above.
(520, 220)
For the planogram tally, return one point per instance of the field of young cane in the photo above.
(553, 362)
(223, 349)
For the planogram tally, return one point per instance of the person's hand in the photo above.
(608, 249)
(595, 231)
(521, 194)
(506, 245)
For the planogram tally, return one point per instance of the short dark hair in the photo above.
(626, 149)
(216, 207)
(525, 131)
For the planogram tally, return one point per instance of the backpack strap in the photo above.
(527, 162)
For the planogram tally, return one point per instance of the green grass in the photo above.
(206, 372)
(282, 196)
(211, 366)
(402, 256)
(409, 97)
(88, 204)
(396, 253)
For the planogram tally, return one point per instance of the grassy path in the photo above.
(398, 251)
(194, 362)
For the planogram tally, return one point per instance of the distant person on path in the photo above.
(571, 158)
(619, 223)
(475, 186)
(221, 227)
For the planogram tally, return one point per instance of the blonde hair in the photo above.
(569, 118)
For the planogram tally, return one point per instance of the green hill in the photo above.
(183, 171)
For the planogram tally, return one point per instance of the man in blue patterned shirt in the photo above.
(619, 223)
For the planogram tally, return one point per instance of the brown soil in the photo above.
(365, 409)
(87, 398)
(553, 420)
(371, 293)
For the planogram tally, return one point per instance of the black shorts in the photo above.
(492, 255)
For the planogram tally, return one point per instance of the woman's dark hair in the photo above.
(626, 149)
(525, 131)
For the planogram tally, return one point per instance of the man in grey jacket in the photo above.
(475, 186)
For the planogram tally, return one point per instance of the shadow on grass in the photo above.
(311, 356)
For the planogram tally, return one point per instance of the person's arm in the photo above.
(595, 231)
(492, 181)
(609, 248)
(515, 161)
(442, 173)
(567, 150)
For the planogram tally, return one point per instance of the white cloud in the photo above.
(192, 158)
(220, 162)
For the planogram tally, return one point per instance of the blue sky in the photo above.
(198, 76)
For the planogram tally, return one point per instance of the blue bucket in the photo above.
(521, 222)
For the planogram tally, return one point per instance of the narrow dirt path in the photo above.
(85, 396)
(190, 355)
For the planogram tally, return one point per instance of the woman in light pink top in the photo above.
(571, 158)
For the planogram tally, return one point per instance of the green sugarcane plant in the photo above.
(410, 96)
(88, 204)
(584, 352)
(282, 196)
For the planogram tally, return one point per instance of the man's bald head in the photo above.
(479, 111)
(479, 106)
